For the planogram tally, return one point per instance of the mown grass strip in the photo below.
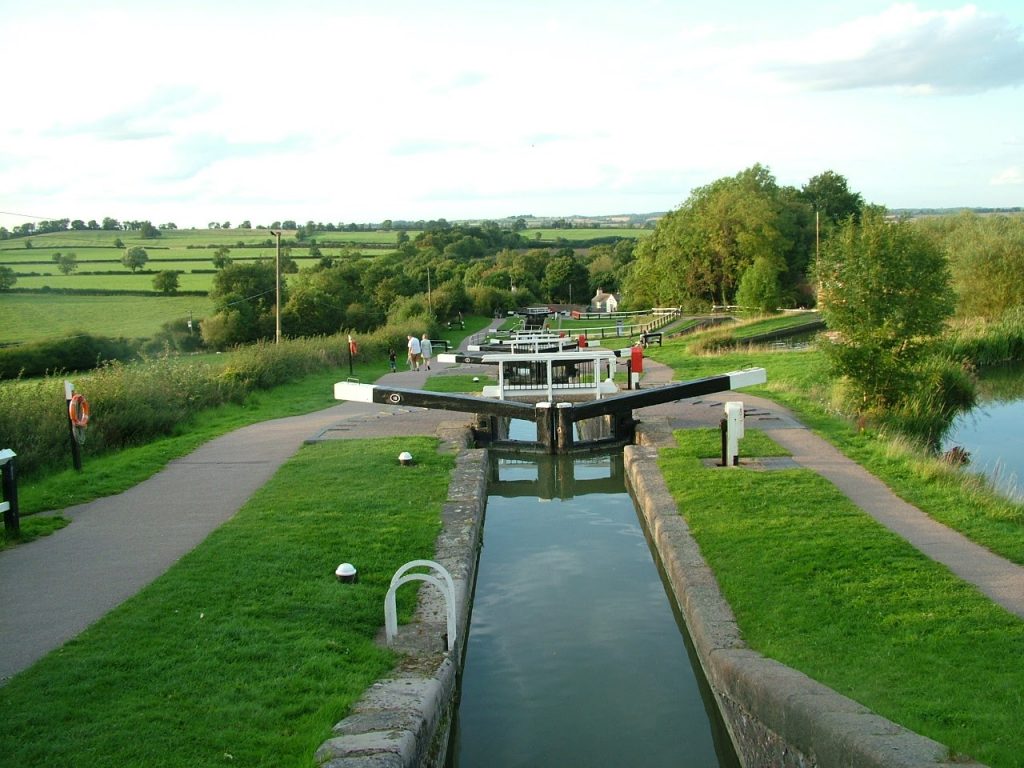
(707, 444)
(248, 650)
(952, 496)
(818, 585)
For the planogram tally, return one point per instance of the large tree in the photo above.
(698, 253)
(244, 294)
(135, 257)
(831, 197)
(166, 282)
(885, 291)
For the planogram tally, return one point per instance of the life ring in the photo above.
(78, 410)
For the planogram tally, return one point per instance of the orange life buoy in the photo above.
(78, 410)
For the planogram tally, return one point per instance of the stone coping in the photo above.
(775, 715)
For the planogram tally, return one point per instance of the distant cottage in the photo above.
(604, 302)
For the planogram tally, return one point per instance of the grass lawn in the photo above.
(818, 585)
(769, 324)
(246, 651)
(799, 380)
(531, 235)
(458, 383)
(32, 317)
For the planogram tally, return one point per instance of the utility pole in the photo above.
(817, 256)
(277, 287)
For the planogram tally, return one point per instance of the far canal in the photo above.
(993, 431)
(575, 656)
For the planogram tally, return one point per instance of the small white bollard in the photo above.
(734, 432)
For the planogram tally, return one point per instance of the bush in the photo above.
(983, 342)
(135, 404)
(76, 352)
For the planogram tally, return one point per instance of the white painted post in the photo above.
(734, 431)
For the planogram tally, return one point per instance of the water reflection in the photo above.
(574, 656)
(993, 432)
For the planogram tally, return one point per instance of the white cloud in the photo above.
(960, 51)
(1013, 176)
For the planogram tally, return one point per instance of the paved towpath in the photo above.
(56, 586)
(995, 576)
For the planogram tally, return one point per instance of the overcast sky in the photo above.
(359, 111)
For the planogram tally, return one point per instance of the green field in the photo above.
(182, 238)
(32, 317)
(583, 234)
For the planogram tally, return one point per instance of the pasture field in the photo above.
(33, 317)
(183, 238)
(582, 234)
(769, 324)
(125, 282)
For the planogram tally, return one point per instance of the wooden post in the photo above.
(723, 427)
(12, 520)
(545, 427)
(563, 428)
(76, 449)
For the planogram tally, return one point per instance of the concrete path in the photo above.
(56, 586)
(998, 578)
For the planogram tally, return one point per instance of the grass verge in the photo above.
(247, 651)
(952, 496)
(818, 585)
(458, 383)
(113, 473)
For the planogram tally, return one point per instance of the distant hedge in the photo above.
(76, 352)
(139, 402)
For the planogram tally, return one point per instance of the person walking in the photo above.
(393, 359)
(427, 350)
(414, 353)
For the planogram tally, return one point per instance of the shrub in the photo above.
(76, 352)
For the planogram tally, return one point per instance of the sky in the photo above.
(350, 111)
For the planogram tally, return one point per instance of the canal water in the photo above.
(993, 431)
(574, 655)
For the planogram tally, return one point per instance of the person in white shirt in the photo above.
(414, 353)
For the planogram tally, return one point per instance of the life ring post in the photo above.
(76, 449)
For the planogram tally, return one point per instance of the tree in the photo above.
(166, 282)
(7, 278)
(698, 253)
(118, 242)
(759, 289)
(221, 258)
(66, 263)
(986, 255)
(149, 231)
(135, 258)
(244, 294)
(885, 290)
(831, 197)
(566, 280)
(245, 225)
(109, 223)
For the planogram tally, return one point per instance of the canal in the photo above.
(993, 431)
(575, 656)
